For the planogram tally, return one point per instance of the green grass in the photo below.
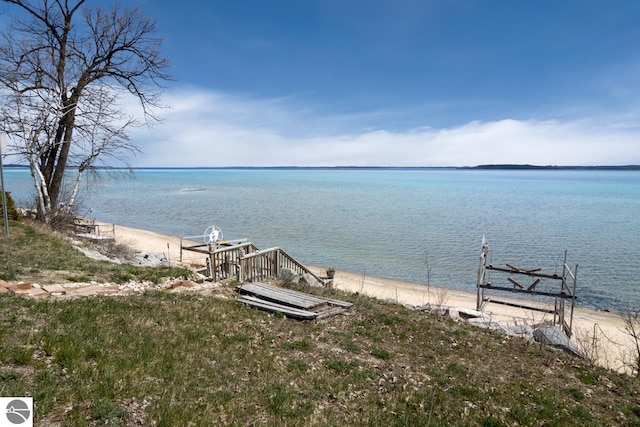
(203, 359)
(33, 254)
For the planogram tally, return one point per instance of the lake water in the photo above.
(419, 225)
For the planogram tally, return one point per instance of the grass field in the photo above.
(204, 359)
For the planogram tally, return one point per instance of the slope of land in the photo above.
(162, 358)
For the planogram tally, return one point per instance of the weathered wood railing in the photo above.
(243, 261)
(89, 230)
(223, 262)
(268, 263)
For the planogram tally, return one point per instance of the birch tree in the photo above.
(66, 68)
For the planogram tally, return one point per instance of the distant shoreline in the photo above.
(548, 167)
(479, 167)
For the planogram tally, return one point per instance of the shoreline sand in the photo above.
(611, 346)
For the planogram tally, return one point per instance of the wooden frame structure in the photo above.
(567, 282)
(242, 260)
(88, 230)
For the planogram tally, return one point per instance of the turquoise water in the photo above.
(418, 225)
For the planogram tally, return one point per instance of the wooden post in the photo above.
(573, 296)
(212, 263)
(277, 264)
(481, 274)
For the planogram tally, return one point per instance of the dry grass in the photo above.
(189, 359)
(202, 360)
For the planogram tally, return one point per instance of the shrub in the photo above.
(12, 212)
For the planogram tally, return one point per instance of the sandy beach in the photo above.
(610, 347)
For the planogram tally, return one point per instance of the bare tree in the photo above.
(102, 134)
(631, 327)
(64, 67)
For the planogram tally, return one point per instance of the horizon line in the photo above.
(487, 166)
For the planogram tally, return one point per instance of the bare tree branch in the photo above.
(66, 66)
(631, 327)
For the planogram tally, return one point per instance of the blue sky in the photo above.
(397, 83)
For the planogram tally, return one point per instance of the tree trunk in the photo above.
(48, 161)
(55, 185)
(76, 188)
(44, 203)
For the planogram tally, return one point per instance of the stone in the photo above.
(38, 292)
(487, 324)
(199, 278)
(107, 290)
(452, 313)
(54, 289)
(523, 330)
(150, 259)
(95, 255)
(310, 280)
(20, 286)
(467, 313)
(4, 284)
(426, 307)
(554, 336)
(85, 290)
(174, 285)
(289, 276)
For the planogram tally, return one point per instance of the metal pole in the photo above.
(4, 196)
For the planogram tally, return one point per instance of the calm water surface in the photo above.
(418, 225)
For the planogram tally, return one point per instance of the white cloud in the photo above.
(206, 128)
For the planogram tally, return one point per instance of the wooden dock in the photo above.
(298, 305)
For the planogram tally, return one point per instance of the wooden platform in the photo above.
(95, 237)
(89, 230)
(298, 305)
